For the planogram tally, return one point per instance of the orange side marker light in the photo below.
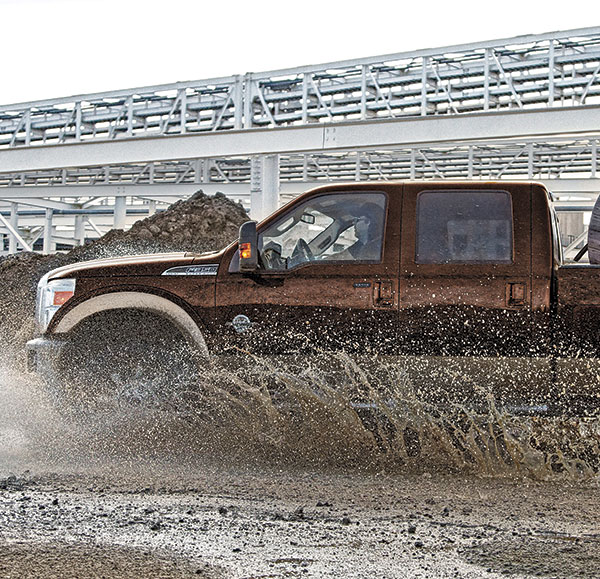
(245, 250)
(61, 297)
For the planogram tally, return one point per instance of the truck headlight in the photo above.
(51, 295)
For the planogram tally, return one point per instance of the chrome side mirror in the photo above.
(248, 246)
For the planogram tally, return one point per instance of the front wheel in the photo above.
(127, 357)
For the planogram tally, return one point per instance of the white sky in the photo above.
(53, 48)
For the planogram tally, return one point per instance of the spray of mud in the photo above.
(366, 414)
(320, 412)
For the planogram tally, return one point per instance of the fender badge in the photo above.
(241, 323)
(210, 269)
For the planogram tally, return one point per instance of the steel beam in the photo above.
(331, 137)
(170, 192)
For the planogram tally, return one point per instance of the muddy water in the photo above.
(281, 470)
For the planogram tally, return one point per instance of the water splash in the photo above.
(317, 412)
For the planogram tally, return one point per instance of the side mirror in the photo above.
(248, 246)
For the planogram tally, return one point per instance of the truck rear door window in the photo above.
(464, 227)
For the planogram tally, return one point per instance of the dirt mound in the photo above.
(201, 223)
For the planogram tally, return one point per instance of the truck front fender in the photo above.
(136, 301)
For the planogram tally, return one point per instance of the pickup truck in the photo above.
(468, 275)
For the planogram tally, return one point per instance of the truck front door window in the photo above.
(334, 227)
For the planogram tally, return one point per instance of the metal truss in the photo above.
(521, 108)
(85, 202)
(560, 69)
(506, 159)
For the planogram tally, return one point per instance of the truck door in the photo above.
(328, 276)
(466, 279)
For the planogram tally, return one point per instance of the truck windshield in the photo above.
(332, 227)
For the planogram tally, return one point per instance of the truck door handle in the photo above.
(516, 293)
(383, 293)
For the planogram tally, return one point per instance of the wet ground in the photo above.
(230, 523)
(139, 495)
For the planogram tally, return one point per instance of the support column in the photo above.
(358, 166)
(129, 105)
(14, 223)
(28, 127)
(78, 122)
(238, 103)
(363, 91)
(79, 230)
(248, 96)
(264, 187)
(305, 98)
(14, 235)
(486, 80)
(424, 82)
(530, 166)
(198, 170)
(183, 111)
(470, 165)
(120, 212)
(206, 170)
(551, 73)
(48, 246)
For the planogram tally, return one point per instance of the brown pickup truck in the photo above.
(469, 274)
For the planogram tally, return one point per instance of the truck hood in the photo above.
(138, 265)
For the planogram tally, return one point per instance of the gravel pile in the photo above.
(201, 223)
(198, 224)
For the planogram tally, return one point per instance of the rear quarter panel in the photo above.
(578, 309)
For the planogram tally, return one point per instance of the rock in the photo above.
(145, 234)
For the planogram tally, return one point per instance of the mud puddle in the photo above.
(241, 523)
(296, 484)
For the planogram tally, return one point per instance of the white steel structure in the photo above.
(519, 108)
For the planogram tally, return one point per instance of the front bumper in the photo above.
(42, 354)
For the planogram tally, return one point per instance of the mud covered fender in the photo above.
(138, 301)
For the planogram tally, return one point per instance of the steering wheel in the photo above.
(301, 252)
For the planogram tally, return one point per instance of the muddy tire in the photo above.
(127, 357)
(594, 234)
